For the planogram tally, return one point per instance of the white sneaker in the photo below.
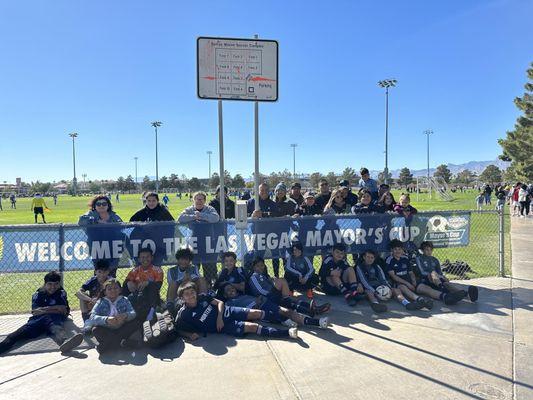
(293, 333)
(289, 323)
(324, 322)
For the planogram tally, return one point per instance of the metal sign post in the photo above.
(237, 69)
(222, 193)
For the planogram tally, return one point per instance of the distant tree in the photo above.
(120, 184)
(443, 172)
(491, 174)
(238, 181)
(214, 181)
(465, 177)
(195, 184)
(109, 186)
(40, 187)
(314, 179)
(129, 183)
(406, 177)
(350, 175)
(283, 176)
(332, 178)
(518, 144)
(148, 184)
(164, 183)
(381, 177)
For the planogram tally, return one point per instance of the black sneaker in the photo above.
(312, 308)
(129, 344)
(71, 343)
(414, 305)
(426, 303)
(455, 297)
(323, 308)
(378, 307)
(473, 293)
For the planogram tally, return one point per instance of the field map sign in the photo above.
(237, 69)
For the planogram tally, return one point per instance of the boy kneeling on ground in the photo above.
(205, 314)
(49, 308)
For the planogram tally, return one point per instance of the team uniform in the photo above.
(93, 288)
(270, 308)
(327, 266)
(426, 265)
(400, 267)
(371, 276)
(236, 275)
(203, 317)
(297, 268)
(176, 274)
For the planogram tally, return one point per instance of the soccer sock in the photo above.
(405, 302)
(353, 287)
(311, 321)
(343, 290)
(268, 331)
(442, 296)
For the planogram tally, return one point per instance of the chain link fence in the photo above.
(68, 249)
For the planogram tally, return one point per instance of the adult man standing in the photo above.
(324, 195)
(296, 193)
(267, 207)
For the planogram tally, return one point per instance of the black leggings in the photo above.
(109, 339)
(294, 283)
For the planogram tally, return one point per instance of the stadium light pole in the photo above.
(74, 135)
(209, 152)
(387, 83)
(428, 132)
(136, 158)
(294, 145)
(156, 124)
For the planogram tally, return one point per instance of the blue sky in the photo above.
(106, 69)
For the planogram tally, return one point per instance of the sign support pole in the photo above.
(222, 195)
(256, 145)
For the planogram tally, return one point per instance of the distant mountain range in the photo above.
(473, 166)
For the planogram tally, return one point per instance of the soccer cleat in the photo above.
(289, 323)
(351, 300)
(323, 308)
(413, 305)
(473, 293)
(426, 303)
(309, 293)
(147, 331)
(71, 343)
(378, 307)
(293, 333)
(323, 322)
(156, 329)
(453, 298)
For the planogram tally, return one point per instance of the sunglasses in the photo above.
(101, 203)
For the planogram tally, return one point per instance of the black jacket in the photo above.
(159, 213)
(229, 207)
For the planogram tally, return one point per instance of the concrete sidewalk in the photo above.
(468, 351)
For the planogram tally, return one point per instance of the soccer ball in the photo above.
(383, 293)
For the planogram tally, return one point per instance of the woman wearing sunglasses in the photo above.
(101, 213)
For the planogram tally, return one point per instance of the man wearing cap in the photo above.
(324, 195)
(296, 193)
(229, 205)
(309, 206)
(366, 182)
(349, 197)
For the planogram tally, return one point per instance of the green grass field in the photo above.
(481, 254)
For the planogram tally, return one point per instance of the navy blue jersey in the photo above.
(299, 267)
(260, 284)
(42, 299)
(92, 286)
(244, 301)
(401, 267)
(202, 318)
(371, 276)
(428, 264)
(235, 276)
(329, 265)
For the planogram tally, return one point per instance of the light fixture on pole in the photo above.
(135, 158)
(293, 145)
(209, 152)
(156, 124)
(428, 132)
(74, 135)
(387, 83)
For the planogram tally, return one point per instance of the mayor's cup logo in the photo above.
(445, 231)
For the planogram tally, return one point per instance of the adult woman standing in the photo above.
(100, 212)
(152, 211)
(336, 204)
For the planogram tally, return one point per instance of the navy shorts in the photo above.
(425, 280)
(270, 307)
(234, 318)
(38, 210)
(329, 289)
